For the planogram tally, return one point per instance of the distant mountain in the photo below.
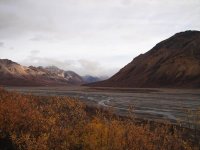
(91, 79)
(173, 63)
(13, 74)
(55, 70)
(70, 76)
(73, 78)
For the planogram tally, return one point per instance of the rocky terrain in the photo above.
(14, 74)
(70, 76)
(172, 63)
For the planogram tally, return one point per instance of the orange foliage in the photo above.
(41, 123)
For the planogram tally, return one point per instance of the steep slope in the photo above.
(73, 78)
(55, 70)
(70, 76)
(13, 74)
(174, 63)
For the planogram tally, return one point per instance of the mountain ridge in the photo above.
(172, 63)
(13, 74)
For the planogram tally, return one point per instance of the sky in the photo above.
(96, 37)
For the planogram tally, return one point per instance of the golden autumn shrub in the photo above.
(42, 123)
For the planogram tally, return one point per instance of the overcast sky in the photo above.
(95, 37)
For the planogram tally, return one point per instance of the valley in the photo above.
(173, 105)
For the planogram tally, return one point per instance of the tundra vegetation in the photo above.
(42, 123)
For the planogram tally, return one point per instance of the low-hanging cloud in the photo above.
(82, 66)
(94, 68)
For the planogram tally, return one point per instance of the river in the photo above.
(174, 105)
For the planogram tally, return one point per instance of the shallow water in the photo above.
(152, 104)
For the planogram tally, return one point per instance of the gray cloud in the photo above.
(83, 17)
(34, 53)
(90, 36)
(94, 68)
(1, 44)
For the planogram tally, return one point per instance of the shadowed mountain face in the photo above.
(91, 79)
(13, 74)
(174, 63)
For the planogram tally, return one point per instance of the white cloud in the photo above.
(82, 66)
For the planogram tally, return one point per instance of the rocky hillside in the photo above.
(70, 76)
(13, 74)
(173, 63)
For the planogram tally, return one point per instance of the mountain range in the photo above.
(172, 63)
(14, 74)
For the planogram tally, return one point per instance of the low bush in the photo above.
(42, 123)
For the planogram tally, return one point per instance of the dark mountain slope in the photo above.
(91, 79)
(174, 63)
